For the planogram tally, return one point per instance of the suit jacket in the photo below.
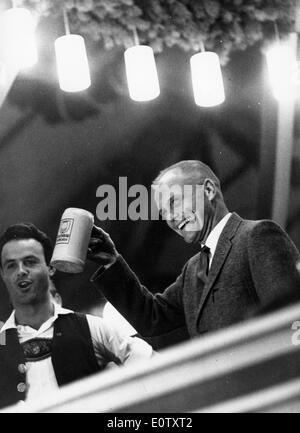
(254, 263)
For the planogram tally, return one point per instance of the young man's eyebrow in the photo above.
(31, 256)
(23, 258)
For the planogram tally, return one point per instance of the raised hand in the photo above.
(101, 248)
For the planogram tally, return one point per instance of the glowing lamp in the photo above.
(207, 79)
(72, 63)
(142, 79)
(282, 68)
(17, 38)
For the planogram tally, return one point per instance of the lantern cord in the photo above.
(66, 21)
(135, 36)
(276, 30)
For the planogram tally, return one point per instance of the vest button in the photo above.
(22, 368)
(21, 387)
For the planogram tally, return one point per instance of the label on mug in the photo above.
(72, 240)
(64, 231)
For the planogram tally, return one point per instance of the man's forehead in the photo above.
(20, 247)
(172, 176)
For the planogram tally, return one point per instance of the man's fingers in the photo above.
(97, 232)
(101, 248)
(96, 241)
(96, 244)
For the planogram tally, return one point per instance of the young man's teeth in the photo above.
(24, 284)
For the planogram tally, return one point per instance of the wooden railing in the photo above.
(253, 366)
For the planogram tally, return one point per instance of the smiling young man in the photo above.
(241, 264)
(47, 346)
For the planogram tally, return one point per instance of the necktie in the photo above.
(204, 264)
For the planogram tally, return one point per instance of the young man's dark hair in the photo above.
(27, 231)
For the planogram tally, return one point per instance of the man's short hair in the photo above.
(52, 290)
(27, 231)
(194, 171)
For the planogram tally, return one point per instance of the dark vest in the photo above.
(72, 356)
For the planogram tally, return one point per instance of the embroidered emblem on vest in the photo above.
(37, 349)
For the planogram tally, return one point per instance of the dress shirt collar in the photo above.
(11, 321)
(213, 237)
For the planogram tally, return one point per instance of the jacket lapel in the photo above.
(221, 253)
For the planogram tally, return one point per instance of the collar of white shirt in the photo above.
(213, 237)
(11, 321)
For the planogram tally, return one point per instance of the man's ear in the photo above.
(52, 271)
(210, 189)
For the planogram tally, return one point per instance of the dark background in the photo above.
(56, 149)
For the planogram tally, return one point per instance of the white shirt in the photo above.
(213, 237)
(40, 374)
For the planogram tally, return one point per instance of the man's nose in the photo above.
(22, 270)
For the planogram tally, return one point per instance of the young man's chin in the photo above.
(28, 298)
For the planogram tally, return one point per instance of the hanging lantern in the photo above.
(207, 79)
(282, 68)
(17, 38)
(72, 63)
(142, 79)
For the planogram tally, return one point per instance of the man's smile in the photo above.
(185, 221)
(24, 285)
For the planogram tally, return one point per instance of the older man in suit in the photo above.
(241, 264)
